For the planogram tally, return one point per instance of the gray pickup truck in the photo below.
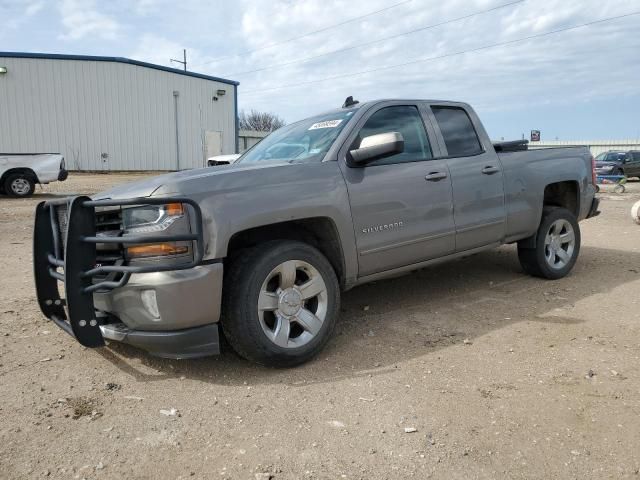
(263, 248)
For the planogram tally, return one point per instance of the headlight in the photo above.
(154, 219)
(151, 218)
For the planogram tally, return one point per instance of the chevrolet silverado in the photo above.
(261, 250)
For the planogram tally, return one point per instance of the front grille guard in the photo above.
(76, 255)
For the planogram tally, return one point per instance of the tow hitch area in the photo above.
(65, 242)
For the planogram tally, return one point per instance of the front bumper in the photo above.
(166, 300)
(178, 344)
(96, 295)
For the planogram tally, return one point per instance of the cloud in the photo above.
(144, 7)
(17, 13)
(556, 69)
(229, 38)
(33, 7)
(81, 18)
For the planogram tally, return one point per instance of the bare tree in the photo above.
(260, 121)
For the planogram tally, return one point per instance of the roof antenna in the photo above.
(349, 102)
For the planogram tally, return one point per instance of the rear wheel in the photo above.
(281, 303)
(19, 185)
(557, 245)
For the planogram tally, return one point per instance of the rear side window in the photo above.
(636, 156)
(459, 135)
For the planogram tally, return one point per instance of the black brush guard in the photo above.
(76, 314)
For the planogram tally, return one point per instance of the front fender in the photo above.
(247, 199)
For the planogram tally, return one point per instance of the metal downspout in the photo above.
(175, 112)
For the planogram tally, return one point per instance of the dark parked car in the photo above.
(616, 162)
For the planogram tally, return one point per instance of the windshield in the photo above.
(303, 141)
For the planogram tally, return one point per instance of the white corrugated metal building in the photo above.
(111, 113)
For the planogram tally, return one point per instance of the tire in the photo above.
(19, 185)
(618, 171)
(269, 314)
(546, 260)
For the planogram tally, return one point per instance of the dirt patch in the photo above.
(83, 407)
(464, 370)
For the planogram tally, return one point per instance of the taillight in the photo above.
(593, 170)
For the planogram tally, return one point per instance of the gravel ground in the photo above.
(465, 370)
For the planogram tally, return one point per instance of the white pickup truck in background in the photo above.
(222, 159)
(19, 172)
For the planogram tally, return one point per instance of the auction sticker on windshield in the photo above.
(326, 124)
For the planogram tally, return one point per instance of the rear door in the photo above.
(632, 167)
(400, 205)
(476, 175)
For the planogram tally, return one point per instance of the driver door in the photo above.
(401, 205)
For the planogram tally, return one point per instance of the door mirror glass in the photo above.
(377, 146)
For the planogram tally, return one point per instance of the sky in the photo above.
(299, 58)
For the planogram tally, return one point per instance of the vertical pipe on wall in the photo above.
(175, 112)
(203, 140)
(235, 112)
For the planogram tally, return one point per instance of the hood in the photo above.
(178, 182)
(139, 188)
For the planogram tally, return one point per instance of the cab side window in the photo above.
(406, 120)
(458, 132)
(616, 157)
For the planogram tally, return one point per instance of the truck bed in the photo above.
(528, 172)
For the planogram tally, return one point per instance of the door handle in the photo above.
(435, 176)
(490, 170)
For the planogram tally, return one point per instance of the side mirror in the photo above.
(377, 146)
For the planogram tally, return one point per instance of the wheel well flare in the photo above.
(319, 232)
(563, 194)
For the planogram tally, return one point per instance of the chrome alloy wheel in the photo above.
(292, 304)
(559, 244)
(20, 186)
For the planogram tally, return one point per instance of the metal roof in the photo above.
(93, 58)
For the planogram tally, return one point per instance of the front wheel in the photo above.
(281, 302)
(557, 245)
